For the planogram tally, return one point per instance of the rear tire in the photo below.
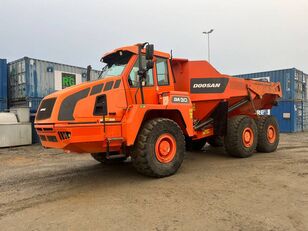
(268, 130)
(101, 157)
(216, 141)
(159, 148)
(242, 136)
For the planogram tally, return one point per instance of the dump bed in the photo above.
(208, 87)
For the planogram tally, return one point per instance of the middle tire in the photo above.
(159, 148)
(242, 136)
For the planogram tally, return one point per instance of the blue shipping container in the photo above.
(289, 115)
(293, 82)
(3, 84)
(35, 138)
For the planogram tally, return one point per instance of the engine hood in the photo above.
(81, 103)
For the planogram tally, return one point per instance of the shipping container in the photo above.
(32, 79)
(306, 88)
(3, 85)
(293, 82)
(35, 137)
(31, 102)
(289, 115)
(305, 116)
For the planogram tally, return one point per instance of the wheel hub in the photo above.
(271, 134)
(165, 148)
(247, 137)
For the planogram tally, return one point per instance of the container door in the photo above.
(284, 114)
(298, 108)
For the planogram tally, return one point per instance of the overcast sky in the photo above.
(248, 35)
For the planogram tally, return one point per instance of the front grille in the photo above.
(47, 129)
(43, 138)
(64, 135)
(52, 139)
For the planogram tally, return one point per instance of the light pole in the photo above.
(208, 43)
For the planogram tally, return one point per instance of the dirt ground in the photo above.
(49, 190)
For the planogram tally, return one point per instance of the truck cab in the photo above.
(82, 118)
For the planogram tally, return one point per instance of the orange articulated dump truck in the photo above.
(151, 107)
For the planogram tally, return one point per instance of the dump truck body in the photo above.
(111, 117)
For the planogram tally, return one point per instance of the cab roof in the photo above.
(134, 49)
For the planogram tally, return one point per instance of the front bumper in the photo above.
(81, 138)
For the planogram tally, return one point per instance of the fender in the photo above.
(171, 103)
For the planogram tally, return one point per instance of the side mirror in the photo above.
(89, 68)
(149, 52)
(150, 64)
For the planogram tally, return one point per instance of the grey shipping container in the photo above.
(3, 85)
(293, 82)
(306, 88)
(32, 79)
(31, 102)
(305, 115)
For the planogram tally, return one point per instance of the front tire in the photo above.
(159, 148)
(242, 136)
(268, 130)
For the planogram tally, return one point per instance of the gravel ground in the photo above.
(49, 190)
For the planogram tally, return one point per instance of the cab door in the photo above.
(149, 90)
(163, 75)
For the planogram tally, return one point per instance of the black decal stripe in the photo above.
(108, 86)
(208, 85)
(68, 105)
(45, 110)
(97, 89)
(117, 83)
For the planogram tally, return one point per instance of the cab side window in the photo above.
(162, 72)
(133, 78)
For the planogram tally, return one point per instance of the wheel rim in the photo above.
(165, 148)
(248, 137)
(271, 134)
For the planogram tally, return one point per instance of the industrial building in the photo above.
(292, 109)
(26, 81)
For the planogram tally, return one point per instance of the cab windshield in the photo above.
(115, 63)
